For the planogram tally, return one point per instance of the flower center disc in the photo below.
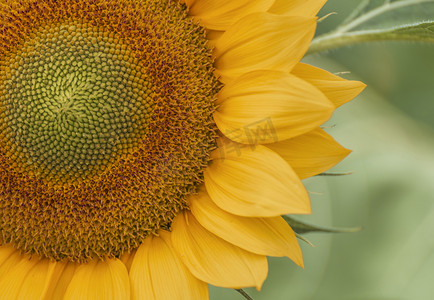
(105, 123)
(72, 106)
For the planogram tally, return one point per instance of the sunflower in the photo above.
(148, 148)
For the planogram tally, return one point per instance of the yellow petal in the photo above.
(214, 260)
(107, 279)
(297, 7)
(63, 274)
(158, 273)
(269, 106)
(213, 35)
(127, 259)
(265, 236)
(311, 153)
(11, 282)
(255, 182)
(9, 257)
(262, 41)
(38, 280)
(221, 14)
(140, 278)
(337, 90)
(44, 280)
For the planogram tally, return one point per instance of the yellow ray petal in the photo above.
(214, 260)
(269, 106)
(297, 7)
(140, 277)
(311, 153)
(158, 273)
(262, 41)
(254, 182)
(11, 283)
(265, 236)
(337, 90)
(60, 280)
(9, 257)
(38, 280)
(127, 259)
(213, 35)
(221, 14)
(98, 279)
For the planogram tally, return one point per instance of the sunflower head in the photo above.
(136, 159)
(104, 132)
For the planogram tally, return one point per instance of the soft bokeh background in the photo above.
(390, 129)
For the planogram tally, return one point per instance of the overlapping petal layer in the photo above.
(265, 236)
(15, 269)
(22, 277)
(311, 153)
(337, 89)
(214, 260)
(39, 279)
(270, 106)
(158, 273)
(221, 14)
(262, 41)
(61, 279)
(254, 182)
(297, 7)
(99, 279)
(9, 257)
(128, 258)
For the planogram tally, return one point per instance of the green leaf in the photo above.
(400, 13)
(390, 15)
(405, 20)
(357, 11)
(301, 227)
(422, 32)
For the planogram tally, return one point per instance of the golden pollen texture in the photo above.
(105, 123)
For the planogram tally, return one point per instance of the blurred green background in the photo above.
(390, 128)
